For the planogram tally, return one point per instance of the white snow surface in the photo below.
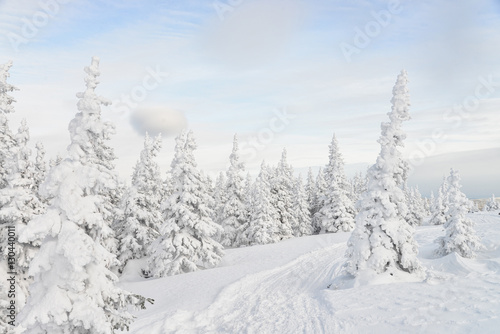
(283, 288)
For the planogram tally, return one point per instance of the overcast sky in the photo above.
(279, 73)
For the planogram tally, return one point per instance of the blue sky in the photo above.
(233, 70)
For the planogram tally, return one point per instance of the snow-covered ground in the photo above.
(283, 288)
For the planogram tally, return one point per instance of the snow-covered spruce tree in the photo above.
(234, 210)
(319, 197)
(359, 184)
(18, 204)
(439, 207)
(282, 186)
(7, 141)
(263, 227)
(142, 215)
(460, 236)
(40, 167)
(220, 198)
(302, 213)
(73, 290)
(185, 243)
(473, 207)
(492, 204)
(416, 206)
(337, 213)
(311, 192)
(382, 241)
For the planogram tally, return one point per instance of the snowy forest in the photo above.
(71, 227)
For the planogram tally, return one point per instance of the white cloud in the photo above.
(156, 120)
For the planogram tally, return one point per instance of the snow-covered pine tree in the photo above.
(439, 207)
(359, 182)
(18, 204)
(282, 184)
(234, 211)
(460, 236)
(220, 198)
(40, 166)
(302, 213)
(263, 227)
(111, 191)
(416, 206)
(73, 290)
(337, 213)
(319, 197)
(247, 192)
(7, 141)
(142, 215)
(492, 204)
(382, 241)
(473, 207)
(186, 235)
(311, 192)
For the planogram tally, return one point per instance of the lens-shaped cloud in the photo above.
(155, 120)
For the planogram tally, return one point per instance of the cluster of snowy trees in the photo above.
(79, 224)
(63, 217)
(492, 204)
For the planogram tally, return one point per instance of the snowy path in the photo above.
(281, 300)
(282, 288)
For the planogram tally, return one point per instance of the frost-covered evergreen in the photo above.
(302, 213)
(40, 166)
(382, 241)
(282, 186)
(142, 215)
(220, 198)
(263, 227)
(18, 204)
(7, 141)
(359, 185)
(416, 207)
(492, 204)
(337, 213)
(310, 189)
(186, 235)
(319, 196)
(460, 236)
(439, 207)
(234, 212)
(73, 289)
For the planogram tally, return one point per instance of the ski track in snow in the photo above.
(281, 300)
(458, 296)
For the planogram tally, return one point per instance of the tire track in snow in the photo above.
(286, 299)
